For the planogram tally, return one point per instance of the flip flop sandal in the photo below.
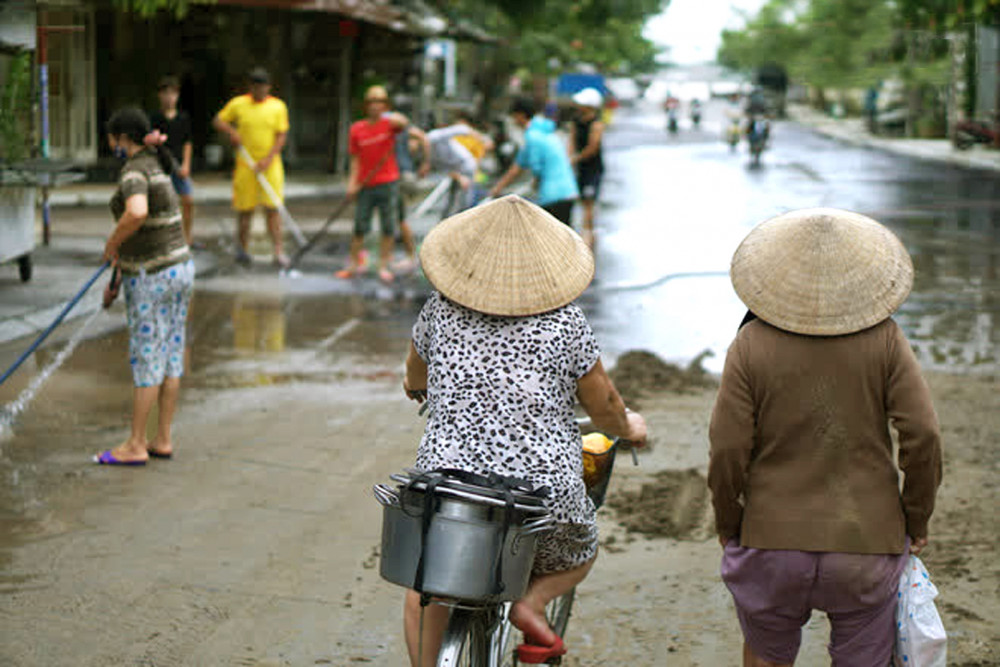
(106, 458)
(386, 276)
(159, 455)
(532, 654)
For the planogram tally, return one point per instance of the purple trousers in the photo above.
(775, 592)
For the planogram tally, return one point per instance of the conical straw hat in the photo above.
(822, 272)
(508, 257)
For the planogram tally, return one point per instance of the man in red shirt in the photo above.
(374, 178)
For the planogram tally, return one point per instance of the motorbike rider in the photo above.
(735, 117)
(671, 105)
(758, 127)
(696, 112)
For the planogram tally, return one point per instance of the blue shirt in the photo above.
(545, 155)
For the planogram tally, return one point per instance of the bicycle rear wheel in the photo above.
(478, 638)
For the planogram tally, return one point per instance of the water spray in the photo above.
(12, 410)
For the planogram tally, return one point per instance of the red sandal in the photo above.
(532, 654)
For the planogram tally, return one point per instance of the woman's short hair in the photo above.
(131, 122)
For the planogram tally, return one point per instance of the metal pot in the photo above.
(465, 540)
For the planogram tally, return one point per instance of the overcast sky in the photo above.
(691, 28)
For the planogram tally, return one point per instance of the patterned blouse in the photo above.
(159, 242)
(502, 392)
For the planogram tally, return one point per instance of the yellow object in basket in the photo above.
(596, 443)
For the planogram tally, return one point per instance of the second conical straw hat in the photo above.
(508, 257)
(822, 272)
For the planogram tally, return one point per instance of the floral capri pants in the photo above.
(156, 305)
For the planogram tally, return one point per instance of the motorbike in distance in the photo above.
(758, 133)
(672, 107)
(696, 113)
(733, 133)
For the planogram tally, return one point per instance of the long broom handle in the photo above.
(59, 318)
(308, 245)
(273, 196)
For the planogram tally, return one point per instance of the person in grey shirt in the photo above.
(449, 154)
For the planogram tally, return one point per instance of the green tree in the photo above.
(15, 107)
(178, 8)
(605, 33)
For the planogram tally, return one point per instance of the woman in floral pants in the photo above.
(157, 271)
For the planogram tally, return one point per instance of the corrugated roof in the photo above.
(379, 12)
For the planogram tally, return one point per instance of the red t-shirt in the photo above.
(370, 141)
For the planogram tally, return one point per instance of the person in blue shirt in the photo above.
(544, 154)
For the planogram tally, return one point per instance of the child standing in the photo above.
(176, 125)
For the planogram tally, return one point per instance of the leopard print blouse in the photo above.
(502, 392)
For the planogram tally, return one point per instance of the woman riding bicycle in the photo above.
(503, 355)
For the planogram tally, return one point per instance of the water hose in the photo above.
(59, 318)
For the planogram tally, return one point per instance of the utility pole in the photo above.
(43, 92)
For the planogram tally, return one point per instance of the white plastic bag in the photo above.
(920, 637)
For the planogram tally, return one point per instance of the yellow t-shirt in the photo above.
(257, 122)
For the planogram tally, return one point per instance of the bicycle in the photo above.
(480, 635)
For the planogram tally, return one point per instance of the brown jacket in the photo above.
(801, 455)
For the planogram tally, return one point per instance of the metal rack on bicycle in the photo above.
(467, 542)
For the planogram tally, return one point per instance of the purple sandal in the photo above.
(107, 458)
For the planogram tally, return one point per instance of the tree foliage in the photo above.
(604, 33)
(178, 8)
(853, 43)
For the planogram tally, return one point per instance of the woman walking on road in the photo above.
(804, 484)
(157, 272)
(504, 354)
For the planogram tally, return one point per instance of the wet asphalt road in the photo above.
(681, 206)
(673, 211)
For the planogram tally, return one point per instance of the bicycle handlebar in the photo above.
(585, 423)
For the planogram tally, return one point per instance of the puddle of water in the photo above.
(236, 341)
(11, 411)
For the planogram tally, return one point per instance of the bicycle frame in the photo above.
(483, 637)
(478, 636)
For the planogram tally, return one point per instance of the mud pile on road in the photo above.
(673, 505)
(640, 374)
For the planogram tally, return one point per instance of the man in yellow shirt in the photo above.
(259, 122)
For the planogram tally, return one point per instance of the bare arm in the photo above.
(593, 143)
(425, 149)
(505, 180)
(571, 146)
(604, 406)
(415, 379)
(186, 159)
(136, 211)
(279, 145)
(352, 177)
(397, 120)
(227, 129)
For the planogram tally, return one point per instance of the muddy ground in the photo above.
(257, 545)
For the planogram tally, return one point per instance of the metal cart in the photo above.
(18, 186)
